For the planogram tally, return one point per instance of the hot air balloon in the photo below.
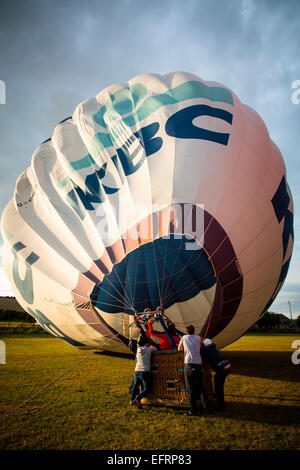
(164, 191)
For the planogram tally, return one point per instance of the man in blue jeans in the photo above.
(190, 344)
(142, 374)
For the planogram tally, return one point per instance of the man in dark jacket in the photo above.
(221, 366)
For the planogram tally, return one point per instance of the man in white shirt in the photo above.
(190, 344)
(142, 374)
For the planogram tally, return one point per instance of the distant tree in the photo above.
(12, 315)
(269, 319)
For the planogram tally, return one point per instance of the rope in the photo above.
(94, 299)
(164, 257)
(136, 269)
(157, 278)
(56, 379)
(168, 278)
(127, 301)
(166, 274)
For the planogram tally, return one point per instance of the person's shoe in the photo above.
(137, 403)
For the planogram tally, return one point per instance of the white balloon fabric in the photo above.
(167, 190)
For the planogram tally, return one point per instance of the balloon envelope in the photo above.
(166, 190)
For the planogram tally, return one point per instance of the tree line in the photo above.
(272, 322)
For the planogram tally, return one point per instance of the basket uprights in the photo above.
(158, 317)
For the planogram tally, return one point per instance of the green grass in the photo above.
(88, 408)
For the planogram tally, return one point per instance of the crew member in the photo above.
(190, 344)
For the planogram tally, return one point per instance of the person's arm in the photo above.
(180, 345)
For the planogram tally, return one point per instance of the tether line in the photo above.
(56, 379)
(126, 297)
(157, 277)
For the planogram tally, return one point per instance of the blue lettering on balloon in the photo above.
(180, 124)
(24, 286)
(146, 135)
(49, 326)
(280, 202)
(141, 144)
(126, 162)
(95, 192)
(147, 145)
(76, 202)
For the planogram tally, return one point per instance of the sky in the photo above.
(53, 55)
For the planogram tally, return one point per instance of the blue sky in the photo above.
(55, 54)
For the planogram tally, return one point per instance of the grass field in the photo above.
(88, 408)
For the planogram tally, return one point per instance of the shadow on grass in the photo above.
(275, 365)
(262, 413)
(240, 411)
(259, 397)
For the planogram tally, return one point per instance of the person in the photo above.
(221, 366)
(164, 342)
(142, 374)
(190, 345)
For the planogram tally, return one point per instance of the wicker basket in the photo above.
(168, 385)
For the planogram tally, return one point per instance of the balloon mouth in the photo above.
(147, 272)
(165, 271)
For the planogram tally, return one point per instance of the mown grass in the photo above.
(88, 408)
